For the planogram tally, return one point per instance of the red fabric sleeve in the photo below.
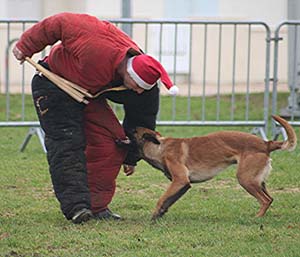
(46, 32)
(89, 52)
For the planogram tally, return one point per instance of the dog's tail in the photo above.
(291, 142)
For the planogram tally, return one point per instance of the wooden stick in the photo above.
(72, 89)
(59, 81)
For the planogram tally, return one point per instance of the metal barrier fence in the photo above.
(221, 64)
(287, 39)
(10, 31)
(211, 60)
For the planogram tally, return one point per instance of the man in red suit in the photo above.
(84, 158)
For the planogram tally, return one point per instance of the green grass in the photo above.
(180, 107)
(215, 218)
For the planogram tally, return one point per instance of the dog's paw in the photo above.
(158, 215)
(154, 218)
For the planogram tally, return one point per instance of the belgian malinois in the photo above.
(198, 159)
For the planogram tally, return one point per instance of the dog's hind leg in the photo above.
(252, 171)
(266, 191)
(180, 184)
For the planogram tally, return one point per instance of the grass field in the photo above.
(215, 218)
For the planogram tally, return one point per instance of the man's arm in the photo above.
(45, 32)
(140, 111)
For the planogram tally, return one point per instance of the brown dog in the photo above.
(197, 159)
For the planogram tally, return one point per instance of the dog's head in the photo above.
(143, 135)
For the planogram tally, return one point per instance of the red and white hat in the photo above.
(146, 71)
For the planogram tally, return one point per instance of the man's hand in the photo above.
(124, 143)
(128, 169)
(18, 54)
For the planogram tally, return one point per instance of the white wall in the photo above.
(3, 9)
(153, 9)
(104, 9)
(51, 7)
(21, 9)
(270, 11)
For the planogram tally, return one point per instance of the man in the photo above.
(84, 159)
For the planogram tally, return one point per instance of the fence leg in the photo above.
(34, 131)
(280, 131)
(261, 132)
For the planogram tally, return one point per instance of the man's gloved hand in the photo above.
(128, 169)
(124, 143)
(18, 54)
(133, 155)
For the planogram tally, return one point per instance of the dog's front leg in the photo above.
(180, 184)
(174, 192)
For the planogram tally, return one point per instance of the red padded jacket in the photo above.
(89, 50)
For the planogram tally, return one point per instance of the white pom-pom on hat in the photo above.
(146, 71)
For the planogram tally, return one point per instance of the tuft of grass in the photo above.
(215, 218)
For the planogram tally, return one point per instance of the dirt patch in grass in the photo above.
(233, 184)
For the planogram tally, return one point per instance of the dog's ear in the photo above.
(157, 133)
(151, 137)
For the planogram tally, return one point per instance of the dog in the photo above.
(198, 159)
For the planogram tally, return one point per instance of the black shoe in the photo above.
(107, 214)
(82, 216)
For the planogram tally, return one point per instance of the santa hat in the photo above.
(146, 71)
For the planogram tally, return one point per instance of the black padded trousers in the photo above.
(61, 118)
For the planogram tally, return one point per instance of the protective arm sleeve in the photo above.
(45, 32)
(140, 111)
